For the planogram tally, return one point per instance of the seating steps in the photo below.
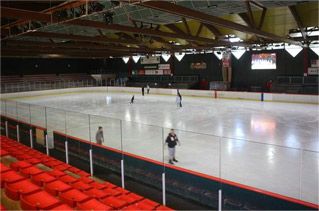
(31, 180)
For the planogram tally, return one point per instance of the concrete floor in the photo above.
(271, 146)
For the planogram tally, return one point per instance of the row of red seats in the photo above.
(62, 186)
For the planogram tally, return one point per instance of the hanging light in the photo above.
(238, 53)
(218, 54)
(166, 56)
(314, 47)
(126, 59)
(293, 50)
(136, 58)
(179, 56)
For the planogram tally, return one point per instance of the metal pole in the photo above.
(220, 185)
(219, 200)
(18, 134)
(7, 131)
(46, 127)
(47, 144)
(163, 174)
(164, 189)
(91, 162)
(122, 173)
(122, 160)
(31, 139)
(66, 152)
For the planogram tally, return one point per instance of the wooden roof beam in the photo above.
(64, 5)
(186, 26)
(213, 29)
(250, 14)
(150, 32)
(211, 20)
(25, 14)
(98, 39)
(199, 30)
(297, 18)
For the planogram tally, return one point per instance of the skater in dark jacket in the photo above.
(132, 100)
(172, 141)
(180, 98)
(143, 90)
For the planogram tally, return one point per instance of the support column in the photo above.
(91, 162)
(122, 174)
(31, 139)
(18, 133)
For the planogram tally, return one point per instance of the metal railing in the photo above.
(37, 86)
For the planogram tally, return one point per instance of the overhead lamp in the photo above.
(218, 54)
(179, 56)
(293, 50)
(314, 47)
(235, 39)
(126, 59)
(136, 58)
(238, 53)
(166, 56)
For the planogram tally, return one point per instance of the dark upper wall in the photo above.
(243, 76)
(28, 66)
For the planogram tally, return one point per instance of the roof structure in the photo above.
(87, 29)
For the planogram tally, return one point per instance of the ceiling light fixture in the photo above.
(126, 59)
(179, 56)
(136, 58)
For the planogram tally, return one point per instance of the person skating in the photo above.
(99, 136)
(132, 100)
(180, 98)
(172, 141)
(143, 90)
(148, 89)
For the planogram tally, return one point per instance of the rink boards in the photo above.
(257, 96)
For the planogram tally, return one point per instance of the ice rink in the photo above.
(271, 146)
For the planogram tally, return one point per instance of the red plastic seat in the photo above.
(33, 161)
(87, 180)
(23, 156)
(43, 178)
(93, 204)
(14, 190)
(149, 203)
(112, 192)
(95, 193)
(4, 168)
(38, 201)
(57, 187)
(73, 196)
(98, 185)
(130, 198)
(53, 163)
(123, 191)
(56, 173)
(109, 185)
(68, 179)
(20, 165)
(62, 207)
(131, 207)
(74, 169)
(114, 202)
(31, 171)
(10, 177)
(3, 153)
(162, 207)
(81, 186)
(62, 167)
(83, 174)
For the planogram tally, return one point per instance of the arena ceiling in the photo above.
(99, 29)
